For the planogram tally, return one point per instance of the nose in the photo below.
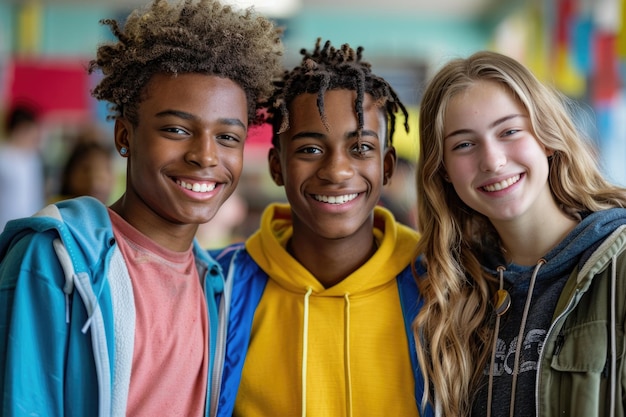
(493, 157)
(336, 167)
(202, 151)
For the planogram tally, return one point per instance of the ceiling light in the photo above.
(270, 8)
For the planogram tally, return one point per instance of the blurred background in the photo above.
(579, 46)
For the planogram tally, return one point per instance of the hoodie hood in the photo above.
(396, 249)
(83, 225)
(573, 250)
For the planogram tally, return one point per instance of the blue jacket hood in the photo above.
(84, 228)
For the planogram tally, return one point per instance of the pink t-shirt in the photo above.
(170, 358)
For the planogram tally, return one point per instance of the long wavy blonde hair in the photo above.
(453, 329)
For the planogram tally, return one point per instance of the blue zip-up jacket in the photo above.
(67, 314)
(245, 284)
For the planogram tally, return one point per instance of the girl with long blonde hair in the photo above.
(524, 241)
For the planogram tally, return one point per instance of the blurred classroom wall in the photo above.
(577, 45)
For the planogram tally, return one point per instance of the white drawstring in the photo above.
(305, 345)
(347, 358)
(68, 271)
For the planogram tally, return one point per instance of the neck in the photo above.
(171, 236)
(526, 243)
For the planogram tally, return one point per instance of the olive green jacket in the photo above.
(581, 369)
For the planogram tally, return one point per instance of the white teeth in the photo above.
(502, 184)
(196, 187)
(338, 199)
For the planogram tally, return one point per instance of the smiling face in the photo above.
(492, 158)
(332, 179)
(185, 154)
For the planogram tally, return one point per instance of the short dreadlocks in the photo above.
(325, 69)
(204, 37)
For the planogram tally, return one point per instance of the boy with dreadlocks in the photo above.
(323, 293)
(111, 311)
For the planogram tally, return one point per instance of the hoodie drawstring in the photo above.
(499, 313)
(305, 344)
(347, 358)
(68, 270)
(520, 337)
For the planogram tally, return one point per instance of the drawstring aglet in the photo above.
(502, 302)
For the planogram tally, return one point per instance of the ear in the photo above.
(389, 164)
(123, 132)
(273, 158)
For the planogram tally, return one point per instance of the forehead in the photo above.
(339, 111)
(481, 101)
(191, 89)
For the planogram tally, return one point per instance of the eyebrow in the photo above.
(320, 136)
(492, 125)
(189, 116)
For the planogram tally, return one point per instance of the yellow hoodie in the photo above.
(320, 352)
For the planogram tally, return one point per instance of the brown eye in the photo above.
(362, 147)
(309, 150)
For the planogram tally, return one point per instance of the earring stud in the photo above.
(123, 151)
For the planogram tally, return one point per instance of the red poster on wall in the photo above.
(605, 77)
(58, 88)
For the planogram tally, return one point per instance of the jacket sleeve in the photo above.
(245, 282)
(33, 329)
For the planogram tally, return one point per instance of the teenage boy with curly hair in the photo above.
(110, 311)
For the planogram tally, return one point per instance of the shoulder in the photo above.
(613, 244)
(82, 224)
(36, 228)
(85, 209)
(612, 250)
(234, 260)
(237, 264)
(224, 256)
(27, 250)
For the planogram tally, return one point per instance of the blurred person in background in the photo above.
(399, 195)
(22, 186)
(225, 227)
(88, 171)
